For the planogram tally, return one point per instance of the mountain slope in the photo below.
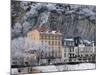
(71, 20)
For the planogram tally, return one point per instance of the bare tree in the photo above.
(22, 45)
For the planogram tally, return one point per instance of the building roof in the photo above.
(53, 33)
(42, 29)
(69, 39)
(45, 30)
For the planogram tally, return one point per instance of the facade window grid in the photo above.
(53, 42)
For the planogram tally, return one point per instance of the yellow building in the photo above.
(53, 39)
(34, 35)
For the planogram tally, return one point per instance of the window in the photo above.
(72, 49)
(65, 50)
(52, 42)
(73, 55)
(54, 37)
(59, 48)
(64, 43)
(70, 55)
(14, 63)
(49, 42)
(42, 37)
(50, 37)
(73, 43)
(45, 41)
(60, 37)
(59, 43)
(46, 36)
(64, 54)
(29, 35)
(42, 41)
(55, 42)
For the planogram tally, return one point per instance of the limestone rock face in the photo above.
(71, 20)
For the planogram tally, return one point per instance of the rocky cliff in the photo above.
(72, 20)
